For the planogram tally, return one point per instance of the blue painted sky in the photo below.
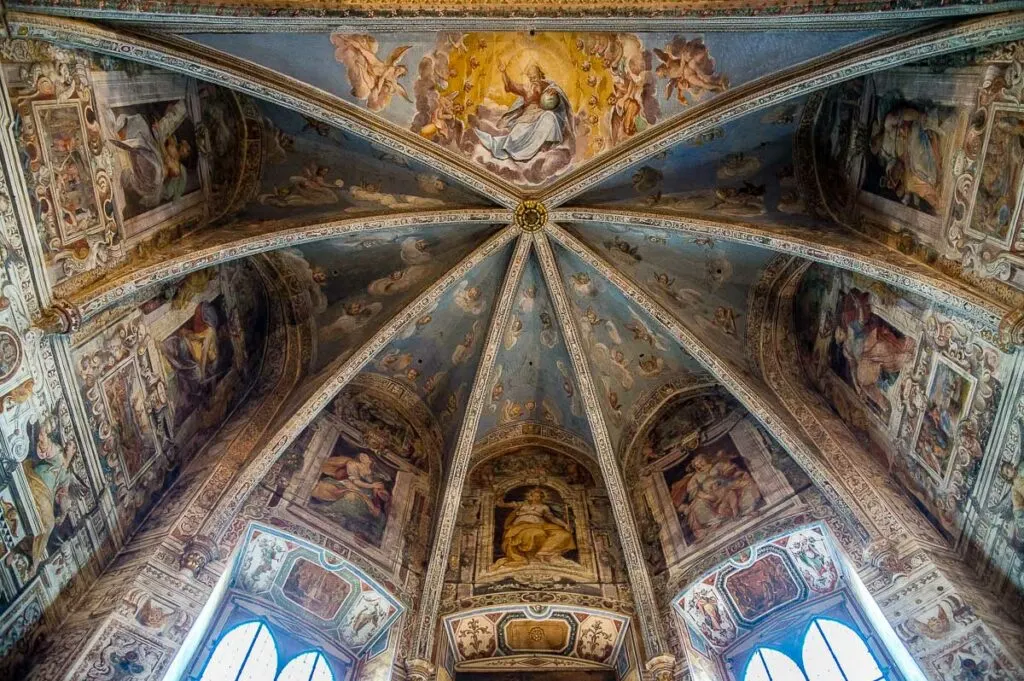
(704, 282)
(438, 353)
(533, 379)
(630, 354)
(358, 282)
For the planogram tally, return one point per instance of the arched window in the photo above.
(771, 665)
(835, 652)
(831, 651)
(248, 652)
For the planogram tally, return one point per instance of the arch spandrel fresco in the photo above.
(120, 154)
(535, 519)
(460, 90)
(706, 472)
(954, 193)
(913, 380)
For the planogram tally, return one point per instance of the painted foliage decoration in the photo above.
(535, 637)
(706, 470)
(534, 518)
(346, 607)
(918, 383)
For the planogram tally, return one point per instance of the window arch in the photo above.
(830, 651)
(248, 652)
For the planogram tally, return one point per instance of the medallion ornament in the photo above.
(530, 216)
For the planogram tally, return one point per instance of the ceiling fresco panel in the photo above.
(743, 169)
(314, 168)
(529, 106)
(630, 355)
(356, 283)
(438, 353)
(701, 280)
(533, 378)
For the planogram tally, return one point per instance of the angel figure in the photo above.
(372, 80)
(353, 316)
(643, 333)
(690, 69)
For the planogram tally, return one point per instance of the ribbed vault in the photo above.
(557, 307)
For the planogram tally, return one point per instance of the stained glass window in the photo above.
(248, 652)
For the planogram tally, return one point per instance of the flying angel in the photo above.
(372, 80)
(643, 333)
(689, 69)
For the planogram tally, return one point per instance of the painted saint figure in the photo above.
(874, 352)
(151, 157)
(358, 491)
(533, 533)
(715, 491)
(541, 117)
(908, 144)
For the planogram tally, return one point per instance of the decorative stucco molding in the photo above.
(829, 244)
(867, 57)
(215, 246)
(205, 63)
(593, 15)
(452, 498)
(636, 567)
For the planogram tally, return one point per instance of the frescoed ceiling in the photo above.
(313, 169)
(461, 90)
(512, 233)
(533, 378)
(743, 169)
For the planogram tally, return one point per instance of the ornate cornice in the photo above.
(433, 581)
(593, 15)
(851, 62)
(218, 245)
(829, 244)
(269, 453)
(205, 63)
(636, 566)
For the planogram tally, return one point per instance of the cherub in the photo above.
(689, 68)
(372, 80)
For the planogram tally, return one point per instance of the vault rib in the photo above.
(643, 590)
(205, 63)
(230, 502)
(430, 601)
(217, 246)
(872, 55)
(842, 248)
(779, 423)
